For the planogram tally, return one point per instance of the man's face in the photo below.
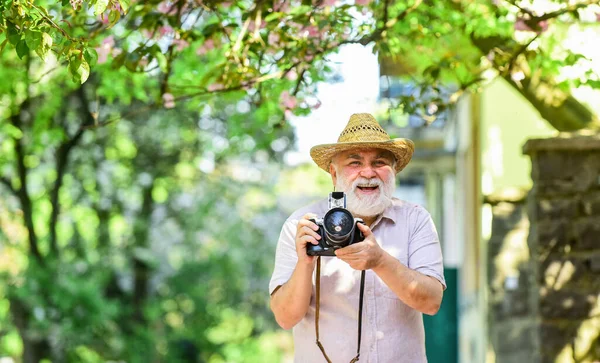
(368, 178)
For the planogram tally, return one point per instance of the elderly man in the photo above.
(400, 254)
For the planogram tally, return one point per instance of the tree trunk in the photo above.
(141, 270)
(34, 348)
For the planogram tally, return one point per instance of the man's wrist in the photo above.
(303, 266)
(382, 262)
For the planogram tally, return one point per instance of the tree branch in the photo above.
(22, 192)
(568, 9)
(62, 160)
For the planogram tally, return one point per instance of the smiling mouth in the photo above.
(367, 189)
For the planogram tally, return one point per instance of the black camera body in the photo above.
(338, 228)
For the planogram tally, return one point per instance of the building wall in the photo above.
(507, 122)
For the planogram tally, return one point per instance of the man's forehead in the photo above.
(362, 153)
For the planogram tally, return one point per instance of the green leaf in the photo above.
(34, 40)
(80, 69)
(125, 5)
(13, 33)
(46, 40)
(91, 56)
(162, 61)
(3, 45)
(100, 6)
(113, 18)
(273, 16)
(83, 71)
(22, 49)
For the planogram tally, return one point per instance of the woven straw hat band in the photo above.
(363, 127)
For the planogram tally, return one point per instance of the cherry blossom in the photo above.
(105, 49)
(521, 25)
(207, 46)
(168, 100)
(214, 87)
(180, 44)
(167, 7)
(287, 101)
(281, 6)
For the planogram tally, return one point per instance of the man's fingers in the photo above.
(309, 239)
(306, 222)
(310, 232)
(364, 229)
(353, 248)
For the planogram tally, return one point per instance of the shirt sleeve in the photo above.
(424, 250)
(285, 255)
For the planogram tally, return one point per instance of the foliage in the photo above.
(242, 44)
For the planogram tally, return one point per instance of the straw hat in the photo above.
(363, 131)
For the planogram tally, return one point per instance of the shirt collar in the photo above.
(388, 213)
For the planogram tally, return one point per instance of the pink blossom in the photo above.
(167, 7)
(103, 19)
(329, 2)
(363, 2)
(287, 101)
(116, 51)
(312, 31)
(598, 17)
(207, 46)
(214, 87)
(168, 100)
(316, 105)
(109, 41)
(252, 25)
(282, 6)
(273, 38)
(180, 44)
(164, 30)
(292, 75)
(226, 4)
(105, 49)
(521, 25)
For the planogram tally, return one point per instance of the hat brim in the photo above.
(402, 149)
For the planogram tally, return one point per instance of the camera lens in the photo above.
(338, 224)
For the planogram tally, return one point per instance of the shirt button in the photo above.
(379, 335)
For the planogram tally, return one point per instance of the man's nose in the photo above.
(368, 172)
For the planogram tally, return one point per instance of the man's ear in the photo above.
(333, 173)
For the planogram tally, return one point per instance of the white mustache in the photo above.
(367, 183)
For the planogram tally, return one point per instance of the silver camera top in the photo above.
(337, 200)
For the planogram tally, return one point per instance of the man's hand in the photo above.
(364, 255)
(306, 232)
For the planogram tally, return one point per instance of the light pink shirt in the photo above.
(392, 331)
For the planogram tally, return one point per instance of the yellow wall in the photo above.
(507, 122)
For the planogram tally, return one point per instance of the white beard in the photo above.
(367, 205)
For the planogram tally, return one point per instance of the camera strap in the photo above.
(360, 305)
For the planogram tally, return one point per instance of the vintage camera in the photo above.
(337, 228)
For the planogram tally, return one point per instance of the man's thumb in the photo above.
(364, 229)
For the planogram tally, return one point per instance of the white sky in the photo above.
(357, 93)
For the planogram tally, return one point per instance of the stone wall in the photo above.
(564, 246)
(511, 319)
